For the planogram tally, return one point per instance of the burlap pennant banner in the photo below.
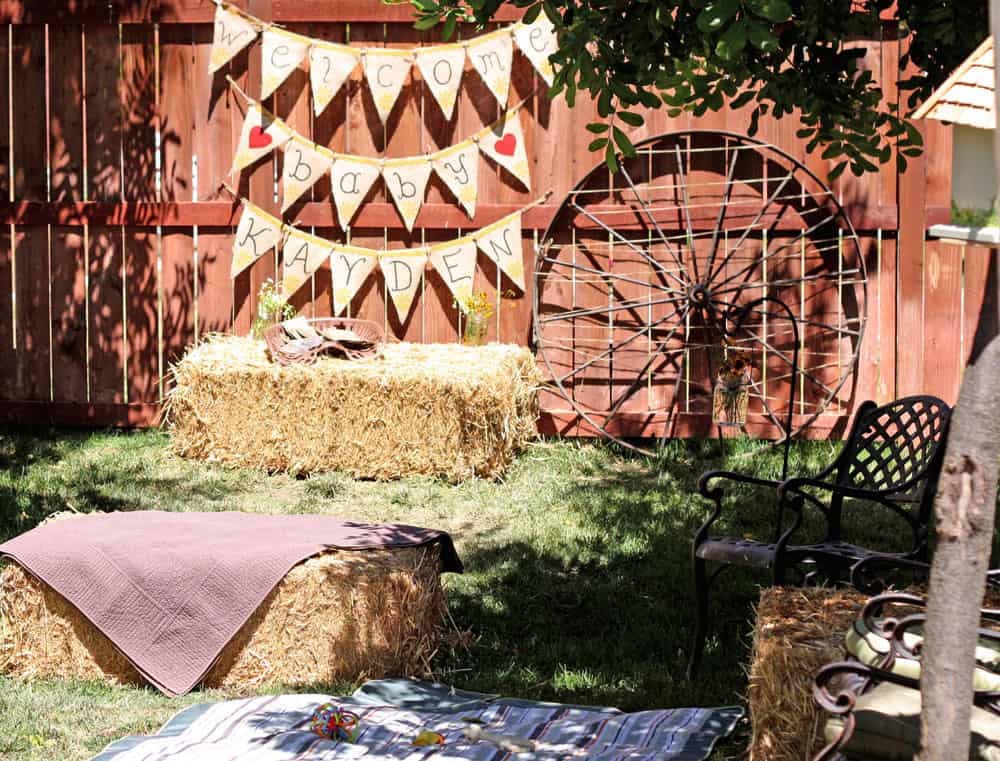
(403, 270)
(537, 41)
(281, 54)
(329, 67)
(504, 143)
(492, 56)
(262, 133)
(257, 233)
(455, 262)
(304, 163)
(233, 32)
(386, 71)
(350, 266)
(407, 183)
(441, 67)
(302, 255)
(501, 242)
(458, 168)
(351, 179)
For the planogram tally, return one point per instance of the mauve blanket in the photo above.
(171, 589)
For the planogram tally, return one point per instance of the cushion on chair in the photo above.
(871, 649)
(888, 727)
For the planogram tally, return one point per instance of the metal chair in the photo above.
(892, 458)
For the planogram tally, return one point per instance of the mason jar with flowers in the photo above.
(731, 394)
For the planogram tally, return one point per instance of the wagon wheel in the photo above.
(639, 268)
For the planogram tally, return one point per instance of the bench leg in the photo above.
(701, 584)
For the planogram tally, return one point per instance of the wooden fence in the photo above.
(115, 245)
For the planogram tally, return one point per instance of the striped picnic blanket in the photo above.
(276, 728)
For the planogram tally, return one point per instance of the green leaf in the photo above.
(914, 152)
(742, 99)
(449, 28)
(762, 39)
(732, 42)
(610, 159)
(634, 120)
(716, 14)
(597, 127)
(900, 163)
(532, 13)
(596, 145)
(623, 143)
(836, 171)
(774, 10)
(427, 22)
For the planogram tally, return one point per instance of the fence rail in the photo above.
(115, 239)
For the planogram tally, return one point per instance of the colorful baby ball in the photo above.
(336, 723)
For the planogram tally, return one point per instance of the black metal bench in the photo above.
(892, 458)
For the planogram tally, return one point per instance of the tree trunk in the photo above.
(964, 508)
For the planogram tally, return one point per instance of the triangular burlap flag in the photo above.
(386, 70)
(329, 67)
(501, 242)
(257, 233)
(538, 41)
(455, 261)
(233, 32)
(403, 270)
(350, 266)
(491, 55)
(302, 255)
(351, 179)
(458, 168)
(441, 67)
(504, 143)
(304, 164)
(407, 181)
(281, 53)
(261, 134)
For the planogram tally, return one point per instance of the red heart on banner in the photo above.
(259, 138)
(505, 146)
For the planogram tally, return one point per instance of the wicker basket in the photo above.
(371, 336)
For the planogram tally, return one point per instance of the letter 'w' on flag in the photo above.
(350, 266)
(538, 41)
(441, 67)
(350, 180)
(407, 181)
(501, 242)
(302, 255)
(329, 67)
(402, 270)
(304, 164)
(491, 55)
(233, 32)
(455, 262)
(281, 53)
(386, 70)
(256, 234)
(261, 134)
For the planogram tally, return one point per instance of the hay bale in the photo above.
(798, 630)
(434, 409)
(342, 615)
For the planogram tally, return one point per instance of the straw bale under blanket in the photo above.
(341, 615)
(798, 631)
(433, 409)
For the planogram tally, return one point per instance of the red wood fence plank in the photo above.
(69, 315)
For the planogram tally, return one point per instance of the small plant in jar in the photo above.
(272, 308)
(731, 394)
(478, 310)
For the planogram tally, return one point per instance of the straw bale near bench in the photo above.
(798, 631)
(345, 615)
(421, 409)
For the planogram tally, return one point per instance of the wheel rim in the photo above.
(638, 268)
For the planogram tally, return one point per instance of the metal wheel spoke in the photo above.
(687, 210)
(608, 275)
(588, 312)
(714, 245)
(650, 217)
(640, 376)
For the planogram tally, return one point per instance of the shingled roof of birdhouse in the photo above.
(967, 96)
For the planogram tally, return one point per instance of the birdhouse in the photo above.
(967, 100)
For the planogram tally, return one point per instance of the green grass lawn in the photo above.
(577, 586)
